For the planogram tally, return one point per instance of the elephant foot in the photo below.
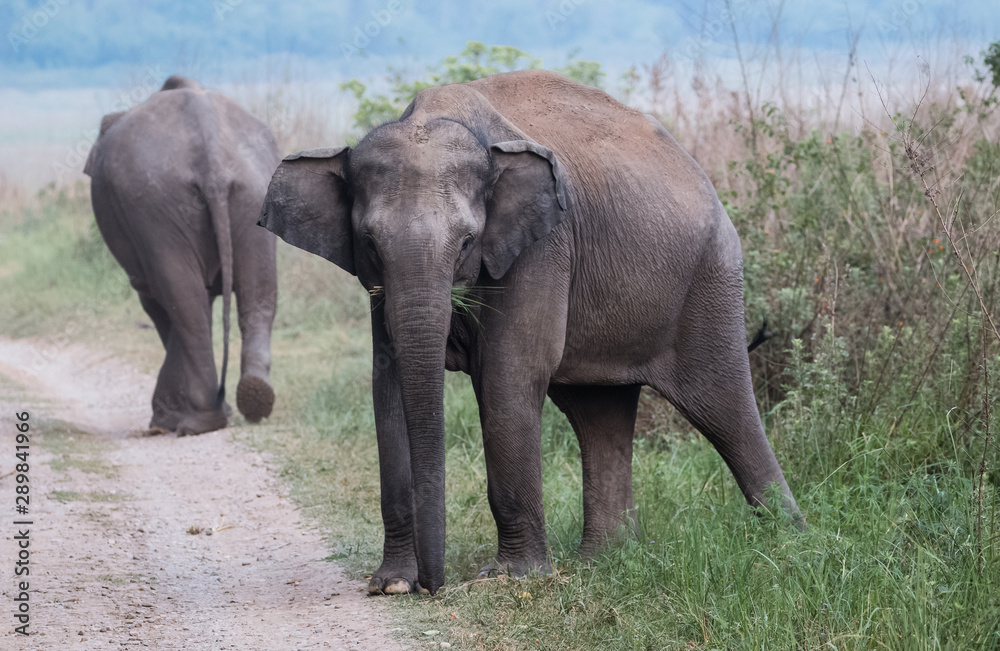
(515, 569)
(395, 578)
(588, 551)
(597, 542)
(254, 398)
(201, 423)
(397, 585)
(163, 421)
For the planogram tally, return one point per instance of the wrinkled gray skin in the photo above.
(619, 268)
(176, 186)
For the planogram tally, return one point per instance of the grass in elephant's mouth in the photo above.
(464, 300)
(468, 300)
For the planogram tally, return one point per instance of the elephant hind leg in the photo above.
(708, 381)
(201, 422)
(186, 397)
(603, 418)
(160, 317)
(255, 285)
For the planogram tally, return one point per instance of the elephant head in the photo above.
(419, 206)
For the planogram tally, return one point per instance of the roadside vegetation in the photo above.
(873, 248)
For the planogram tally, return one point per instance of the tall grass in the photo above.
(56, 274)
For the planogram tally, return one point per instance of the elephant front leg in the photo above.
(398, 572)
(511, 413)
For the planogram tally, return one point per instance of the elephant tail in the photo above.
(762, 335)
(218, 207)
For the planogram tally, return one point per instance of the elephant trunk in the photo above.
(418, 315)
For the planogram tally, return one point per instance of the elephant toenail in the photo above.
(398, 586)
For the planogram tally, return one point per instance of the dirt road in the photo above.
(159, 542)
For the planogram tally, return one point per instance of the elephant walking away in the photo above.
(610, 263)
(176, 186)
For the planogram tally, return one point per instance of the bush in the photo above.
(475, 61)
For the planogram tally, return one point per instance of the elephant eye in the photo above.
(370, 244)
(467, 242)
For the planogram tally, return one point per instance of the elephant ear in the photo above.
(308, 204)
(527, 200)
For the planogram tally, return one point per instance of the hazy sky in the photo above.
(75, 43)
(64, 63)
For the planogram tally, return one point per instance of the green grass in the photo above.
(888, 559)
(874, 412)
(90, 496)
(57, 275)
(72, 447)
